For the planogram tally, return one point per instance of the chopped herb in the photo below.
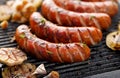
(22, 35)
(42, 21)
(84, 45)
(91, 17)
(49, 52)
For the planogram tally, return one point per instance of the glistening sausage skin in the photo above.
(109, 7)
(51, 32)
(71, 52)
(64, 17)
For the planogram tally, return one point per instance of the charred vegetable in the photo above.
(113, 39)
(19, 71)
(12, 56)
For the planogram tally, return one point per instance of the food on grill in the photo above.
(109, 7)
(12, 56)
(19, 71)
(64, 17)
(51, 32)
(17, 17)
(113, 40)
(53, 74)
(40, 70)
(5, 12)
(36, 3)
(10, 2)
(22, 9)
(28, 10)
(71, 52)
(4, 24)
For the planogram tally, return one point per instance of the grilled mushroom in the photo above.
(12, 56)
(113, 39)
(19, 71)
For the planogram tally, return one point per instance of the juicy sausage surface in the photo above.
(51, 32)
(71, 52)
(109, 7)
(64, 17)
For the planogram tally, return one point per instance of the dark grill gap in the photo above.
(102, 58)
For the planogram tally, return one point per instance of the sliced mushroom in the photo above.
(113, 40)
(12, 56)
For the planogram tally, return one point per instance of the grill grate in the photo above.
(102, 58)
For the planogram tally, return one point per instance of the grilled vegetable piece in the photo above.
(113, 40)
(20, 71)
(5, 12)
(12, 56)
(40, 70)
(22, 9)
(36, 3)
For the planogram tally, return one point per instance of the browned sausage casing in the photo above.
(72, 52)
(64, 17)
(53, 33)
(109, 7)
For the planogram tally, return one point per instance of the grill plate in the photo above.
(102, 58)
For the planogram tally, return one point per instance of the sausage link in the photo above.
(51, 32)
(64, 17)
(71, 52)
(109, 7)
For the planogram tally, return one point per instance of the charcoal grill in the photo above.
(102, 59)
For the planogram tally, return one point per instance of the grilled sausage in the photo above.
(64, 17)
(51, 32)
(109, 7)
(71, 52)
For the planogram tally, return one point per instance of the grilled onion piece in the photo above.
(12, 56)
(113, 40)
(20, 71)
(36, 3)
(5, 12)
